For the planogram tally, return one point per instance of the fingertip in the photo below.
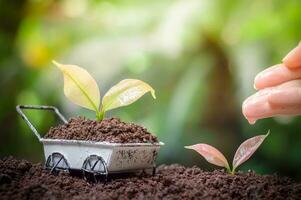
(268, 77)
(251, 121)
(260, 80)
(256, 106)
(293, 58)
(246, 114)
(246, 111)
(256, 86)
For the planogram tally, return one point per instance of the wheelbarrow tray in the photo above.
(119, 157)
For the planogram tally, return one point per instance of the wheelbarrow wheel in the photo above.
(94, 167)
(57, 162)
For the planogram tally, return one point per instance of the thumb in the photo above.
(293, 58)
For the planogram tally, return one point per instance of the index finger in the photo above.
(293, 58)
(276, 75)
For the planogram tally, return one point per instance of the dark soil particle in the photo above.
(110, 130)
(20, 179)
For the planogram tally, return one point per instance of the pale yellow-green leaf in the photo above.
(80, 87)
(124, 93)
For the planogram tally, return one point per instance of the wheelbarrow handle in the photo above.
(37, 107)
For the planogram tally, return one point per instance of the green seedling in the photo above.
(243, 153)
(82, 89)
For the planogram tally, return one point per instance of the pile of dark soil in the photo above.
(23, 180)
(110, 130)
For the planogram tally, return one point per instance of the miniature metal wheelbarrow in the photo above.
(93, 158)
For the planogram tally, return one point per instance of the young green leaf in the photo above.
(124, 93)
(211, 154)
(247, 149)
(80, 87)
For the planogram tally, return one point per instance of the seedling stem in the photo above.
(100, 115)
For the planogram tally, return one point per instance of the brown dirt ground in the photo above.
(20, 179)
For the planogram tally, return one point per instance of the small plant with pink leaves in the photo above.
(243, 153)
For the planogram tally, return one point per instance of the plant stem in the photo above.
(100, 115)
(229, 170)
(232, 171)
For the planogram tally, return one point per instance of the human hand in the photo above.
(279, 90)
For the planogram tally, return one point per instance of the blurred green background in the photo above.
(201, 56)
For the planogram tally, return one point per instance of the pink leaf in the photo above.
(211, 154)
(247, 149)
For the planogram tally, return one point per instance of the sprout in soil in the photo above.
(243, 153)
(82, 89)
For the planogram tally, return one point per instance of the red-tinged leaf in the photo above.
(211, 154)
(247, 149)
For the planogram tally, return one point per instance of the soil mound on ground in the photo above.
(20, 179)
(109, 130)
